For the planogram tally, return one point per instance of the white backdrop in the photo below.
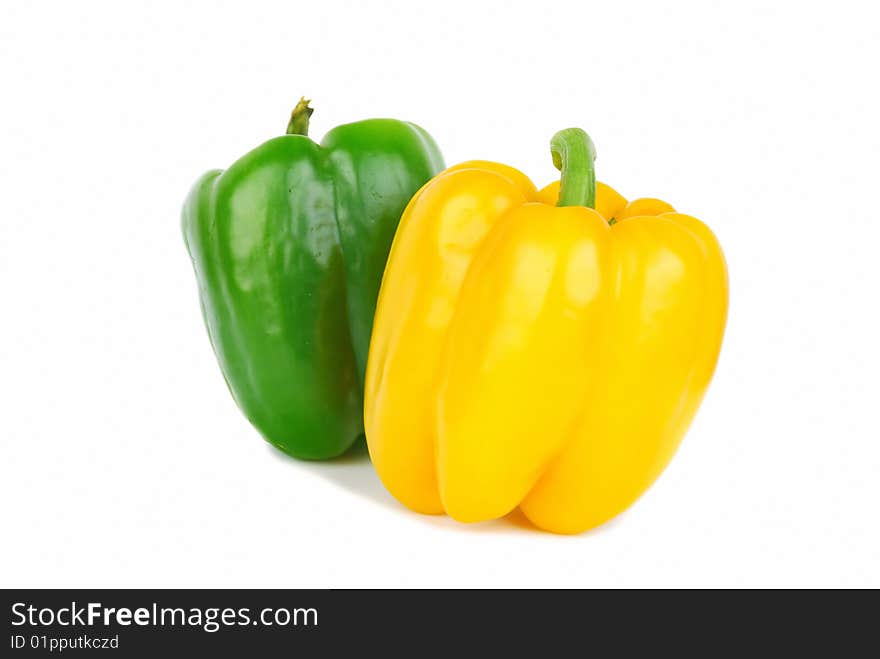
(124, 459)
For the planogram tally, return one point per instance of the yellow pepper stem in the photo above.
(299, 118)
(573, 155)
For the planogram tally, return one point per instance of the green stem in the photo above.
(573, 155)
(299, 118)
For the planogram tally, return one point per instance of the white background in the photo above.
(124, 459)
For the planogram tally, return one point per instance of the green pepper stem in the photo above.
(299, 118)
(573, 155)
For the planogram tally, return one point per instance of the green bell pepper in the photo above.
(289, 245)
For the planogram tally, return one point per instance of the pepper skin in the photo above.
(288, 247)
(541, 356)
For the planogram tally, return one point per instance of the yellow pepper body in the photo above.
(537, 356)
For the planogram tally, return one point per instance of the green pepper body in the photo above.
(288, 246)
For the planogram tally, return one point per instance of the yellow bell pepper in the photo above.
(537, 355)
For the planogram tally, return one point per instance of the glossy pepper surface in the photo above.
(534, 355)
(288, 247)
